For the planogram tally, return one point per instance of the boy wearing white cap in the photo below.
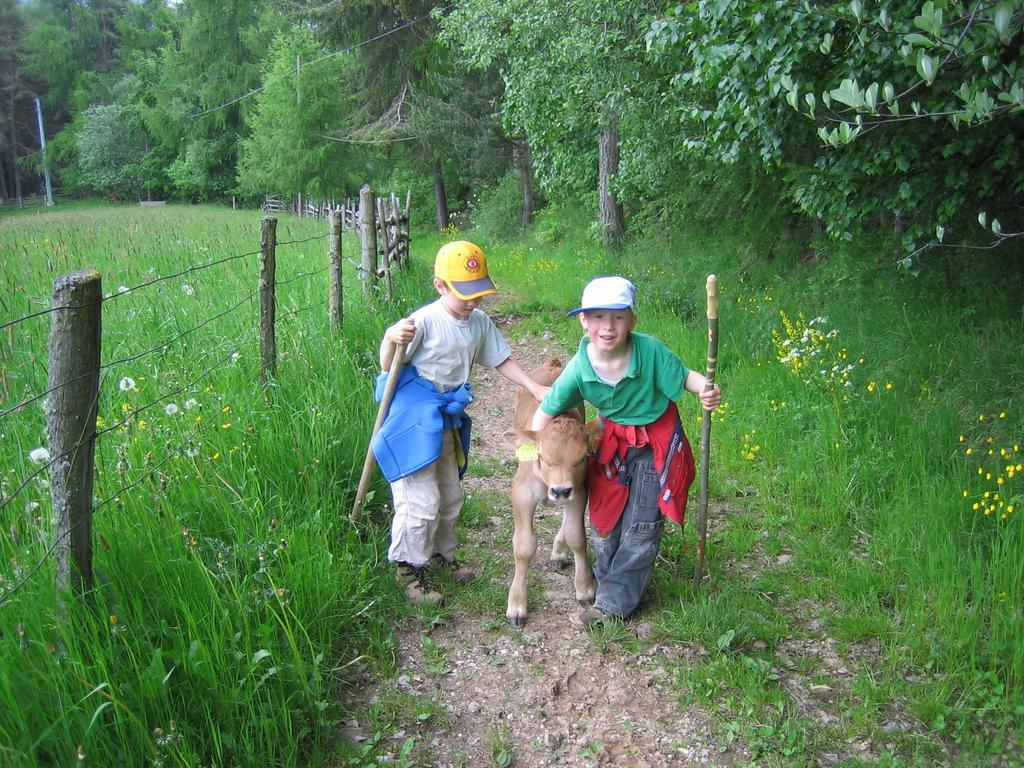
(423, 443)
(643, 466)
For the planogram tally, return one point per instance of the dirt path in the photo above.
(551, 693)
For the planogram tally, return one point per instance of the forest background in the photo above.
(855, 165)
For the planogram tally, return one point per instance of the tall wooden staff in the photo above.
(382, 412)
(705, 431)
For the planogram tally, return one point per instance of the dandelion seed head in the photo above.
(39, 455)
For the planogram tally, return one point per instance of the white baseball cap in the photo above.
(607, 292)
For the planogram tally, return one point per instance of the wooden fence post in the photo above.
(268, 271)
(406, 229)
(385, 248)
(74, 378)
(368, 234)
(334, 291)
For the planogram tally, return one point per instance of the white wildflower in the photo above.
(235, 355)
(170, 409)
(39, 455)
(191, 403)
(127, 384)
(122, 289)
(32, 506)
(187, 289)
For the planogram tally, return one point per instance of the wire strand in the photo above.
(196, 268)
(317, 60)
(124, 360)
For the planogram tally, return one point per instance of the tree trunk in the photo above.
(3, 179)
(612, 227)
(14, 154)
(440, 197)
(524, 164)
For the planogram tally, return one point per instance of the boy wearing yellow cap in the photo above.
(443, 340)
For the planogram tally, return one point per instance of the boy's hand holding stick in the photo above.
(397, 354)
(705, 432)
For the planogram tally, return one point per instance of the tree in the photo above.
(198, 105)
(12, 89)
(574, 75)
(111, 148)
(419, 106)
(910, 114)
(288, 149)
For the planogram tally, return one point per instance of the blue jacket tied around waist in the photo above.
(411, 436)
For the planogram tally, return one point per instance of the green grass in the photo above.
(862, 486)
(236, 608)
(233, 599)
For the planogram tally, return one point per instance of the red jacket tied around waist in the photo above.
(609, 479)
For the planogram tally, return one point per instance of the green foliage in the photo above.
(111, 146)
(289, 150)
(906, 115)
(498, 212)
(590, 60)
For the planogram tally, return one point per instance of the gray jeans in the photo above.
(624, 559)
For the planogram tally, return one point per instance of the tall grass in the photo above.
(231, 594)
(233, 598)
(858, 458)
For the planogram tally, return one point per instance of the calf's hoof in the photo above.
(585, 601)
(516, 621)
(560, 563)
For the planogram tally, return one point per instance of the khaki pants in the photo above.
(427, 504)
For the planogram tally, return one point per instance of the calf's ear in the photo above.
(592, 429)
(516, 437)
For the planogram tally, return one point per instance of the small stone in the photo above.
(553, 740)
(784, 559)
(821, 691)
(644, 629)
(473, 708)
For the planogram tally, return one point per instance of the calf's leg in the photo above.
(573, 533)
(524, 544)
(561, 555)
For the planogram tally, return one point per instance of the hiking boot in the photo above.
(417, 586)
(459, 572)
(593, 617)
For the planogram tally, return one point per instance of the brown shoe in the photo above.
(417, 586)
(593, 617)
(459, 572)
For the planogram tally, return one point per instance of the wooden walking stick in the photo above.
(705, 431)
(382, 412)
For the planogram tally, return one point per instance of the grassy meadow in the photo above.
(866, 489)
(231, 591)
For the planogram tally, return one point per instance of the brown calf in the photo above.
(559, 477)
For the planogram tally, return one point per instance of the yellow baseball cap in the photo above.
(463, 267)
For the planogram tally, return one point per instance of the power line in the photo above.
(326, 56)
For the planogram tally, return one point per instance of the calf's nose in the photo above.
(560, 493)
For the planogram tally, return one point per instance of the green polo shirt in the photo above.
(655, 377)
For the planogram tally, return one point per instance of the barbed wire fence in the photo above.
(76, 377)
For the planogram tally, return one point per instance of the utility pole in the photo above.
(42, 145)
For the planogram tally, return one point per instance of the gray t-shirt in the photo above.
(445, 348)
